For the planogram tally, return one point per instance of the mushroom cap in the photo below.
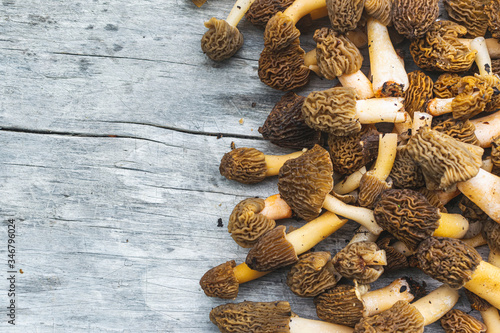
(407, 215)
(333, 111)
(246, 224)
(492, 10)
(444, 161)
(285, 125)
(350, 153)
(495, 152)
(440, 50)
(272, 251)
(491, 232)
(493, 82)
(448, 260)
(458, 321)
(221, 41)
(405, 173)
(370, 188)
(312, 274)
(261, 11)
(476, 302)
(474, 94)
(395, 259)
(305, 181)
(495, 66)
(245, 165)
(221, 281)
(340, 305)
(353, 262)
(252, 317)
(280, 32)
(433, 199)
(401, 317)
(470, 14)
(412, 18)
(283, 69)
(462, 130)
(446, 85)
(336, 54)
(418, 93)
(379, 10)
(344, 14)
(472, 212)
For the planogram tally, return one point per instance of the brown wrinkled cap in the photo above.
(446, 85)
(332, 111)
(351, 262)
(280, 32)
(401, 317)
(405, 173)
(492, 10)
(339, 305)
(350, 153)
(458, 321)
(221, 41)
(412, 18)
(248, 317)
(395, 259)
(336, 54)
(305, 181)
(349, 198)
(440, 50)
(419, 92)
(493, 82)
(491, 232)
(474, 94)
(220, 281)
(433, 199)
(261, 11)
(476, 302)
(312, 274)
(495, 66)
(272, 251)
(462, 130)
(246, 224)
(470, 14)
(448, 260)
(283, 69)
(245, 165)
(286, 127)
(407, 215)
(444, 161)
(471, 211)
(380, 10)
(370, 187)
(495, 151)
(344, 14)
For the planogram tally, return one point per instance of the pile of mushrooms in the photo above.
(384, 148)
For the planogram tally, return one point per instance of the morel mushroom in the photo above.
(344, 15)
(261, 317)
(492, 10)
(347, 305)
(446, 85)
(389, 77)
(396, 259)
(470, 14)
(261, 11)
(455, 263)
(379, 10)
(418, 93)
(492, 44)
(250, 166)
(223, 39)
(405, 173)
(489, 313)
(312, 274)
(462, 130)
(491, 232)
(456, 320)
(412, 18)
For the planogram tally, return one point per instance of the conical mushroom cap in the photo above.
(220, 281)
(340, 305)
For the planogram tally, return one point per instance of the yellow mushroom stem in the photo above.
(494, 257)
(313, 232)
(382, 299)
(238, 11)
(483, 59)
(300, 8)
(376, 110)
(358, 37)
(491, 319)
(452, 226)
(492, 44)
(350, 183)
(363, 216)
(243, 273)
(475, 241)
(487, 128)
(387, 147)
(435, 304)
(420, 119)
(275, 162)
(484, 283)
(360, 82)
(311, 62)
(389, 74)
(301, 325)
(363, 235)
(319, 13)
(484, 191)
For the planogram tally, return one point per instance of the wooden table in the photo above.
(113, 123)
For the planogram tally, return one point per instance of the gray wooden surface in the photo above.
(112, 126)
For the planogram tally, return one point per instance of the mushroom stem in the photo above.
(388, 144)
(376, 110)
(300, 8)
(483, 59)
(319, 13)
(403, 249)
(484, 283)
(313, 232)
(452, 226)
(243, 273)
(350, 183)
(487, 128)
(420, 119)
(440, 106)
(357, 37)
(475, 241)
(492, 44)
(491, 319)
(436, 303)
(275, 162)
(382, 299)
(484, 191)
(238, 11)
(389, 75)
(446, 196)
(362, 234)
(276, 208)
(301, 325)
(311, 62)
(363, 216)
(360, 82)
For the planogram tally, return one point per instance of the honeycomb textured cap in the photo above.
(280, 32)
(221, 41)
(245, 165)
(446, 85)
(261, 11)
(491, 232)
(462, 130)
(380, 10)
(405, 173)
(458, 321)
(220, 281)
(370, 188)
(419, 92)
(412, 18)
(470, 14)
(340, 305)
(344, 14)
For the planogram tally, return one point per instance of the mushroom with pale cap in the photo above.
(462, 130)
(446, 85)
(459, 321)
(470, 14)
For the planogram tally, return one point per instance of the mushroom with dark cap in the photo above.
(405, 173)
(412, 18)
(455, 263)
(495, 66)
(470, 14)
(346, 305)
(261, 11)
(459, 321)
(344, 15)
(489, 313)
(250, 166)
(491, 232)
(312, 274)
(396, 260)
(492, 10)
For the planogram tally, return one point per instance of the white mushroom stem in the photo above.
(487, 164)
(358, 81)
(420, 119)
(491, 319)
(439, 106)
(387, 70)
(376, 110)
(484, 191)
(350, 183)
(487, 128)
(436, 303)
(363, 216)
(311, 62)
(484, 283)
(452, 226)
(492, 44)
(300, 8)
(301, 325)
(276, 208)
(363, 235)
(313, 232)
(475, 241)
(238, 11)
(275, 162)
(382, 299)
(388, 144)
(483, 59)
(403, 249)
(403, 129)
